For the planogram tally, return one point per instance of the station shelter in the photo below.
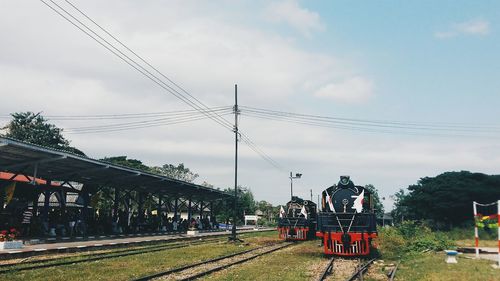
(55, 192)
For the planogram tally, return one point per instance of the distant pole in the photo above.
(476, 234)
(291, 186)
(318, 201)
(311, 195)
(233, 233)
(498, 220)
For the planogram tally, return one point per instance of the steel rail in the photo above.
(392, 273)
(130, 252)
(182, 268)
(327, 271)
(359, 272)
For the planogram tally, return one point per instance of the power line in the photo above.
(379, 127)
(196, 104)
(131, 62)
(144, 122)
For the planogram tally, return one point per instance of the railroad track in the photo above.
(392, 273)
(327, 271)
(358, 274)
(54, 262)
(200, 269)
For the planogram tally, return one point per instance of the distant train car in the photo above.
(347, 223)
(298, 221)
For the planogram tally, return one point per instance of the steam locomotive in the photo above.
(347, 223)
(298, 221)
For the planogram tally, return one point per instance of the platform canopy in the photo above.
(20, 158)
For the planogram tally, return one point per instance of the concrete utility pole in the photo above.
(236, 112)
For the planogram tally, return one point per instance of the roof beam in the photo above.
(39, 161)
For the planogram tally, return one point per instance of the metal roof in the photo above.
(51, 164)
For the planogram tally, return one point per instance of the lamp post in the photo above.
(297, 176)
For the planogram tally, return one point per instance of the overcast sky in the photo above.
(425, 62)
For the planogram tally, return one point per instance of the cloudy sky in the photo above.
(426, 64)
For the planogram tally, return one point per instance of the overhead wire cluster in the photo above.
(374, 126)
(91, 28)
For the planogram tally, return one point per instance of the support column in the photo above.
(189, 211)
(201, 209)
(176, 206)
(127, 210)
(85, 212)
(140, 211)
(115, 204)
(159, 214)
(160, 203)
(2, 197)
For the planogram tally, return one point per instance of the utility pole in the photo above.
(235, 130)
(311, 195)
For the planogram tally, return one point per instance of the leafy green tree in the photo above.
(178, 172)
(267, 210)
(34, 128)
(377, 204)
(400, 211)
(245, 205)
(123, 161)
(446, 200)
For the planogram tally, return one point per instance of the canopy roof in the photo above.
(56, 165)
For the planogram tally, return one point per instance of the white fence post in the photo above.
(498, 220)
(476, 234)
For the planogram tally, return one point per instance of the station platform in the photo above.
(92, 243)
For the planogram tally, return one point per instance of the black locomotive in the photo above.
(298, 221)
(347, 223)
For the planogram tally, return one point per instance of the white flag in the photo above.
(358, 203)
(282, 212)
(303, 211)
(329, 200)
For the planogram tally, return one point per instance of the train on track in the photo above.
(298, 221)
(347, 222)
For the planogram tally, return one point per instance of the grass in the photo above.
(431, 266)
(427, 261)
(125, 268)
(297, 262)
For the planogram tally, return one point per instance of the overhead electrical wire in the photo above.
(142, 115)
(144, 122)
(170, 88)
(376, 126)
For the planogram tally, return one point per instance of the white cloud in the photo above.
(476, 27)
(352, 90)
(290, 12)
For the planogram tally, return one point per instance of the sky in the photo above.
(432, 63)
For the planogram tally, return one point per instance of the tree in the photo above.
(446, 200)
(178, 172)
(400, 211)
(35, 129)
(123, 161)
(245, 205)
(377, 204)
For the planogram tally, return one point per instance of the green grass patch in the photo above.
(126, 268)
(420, 251)
(432, 266)
(294, 263)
